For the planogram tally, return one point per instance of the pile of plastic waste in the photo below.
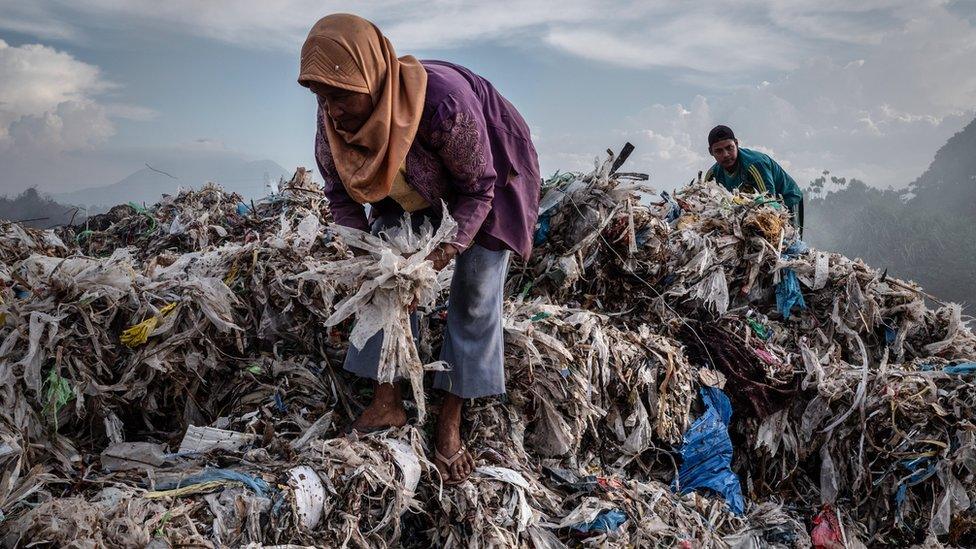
(685, 372)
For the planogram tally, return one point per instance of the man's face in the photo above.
(725, 152)
(349, 110)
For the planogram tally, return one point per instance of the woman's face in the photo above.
(348, 109)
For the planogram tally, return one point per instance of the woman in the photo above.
(403, 135)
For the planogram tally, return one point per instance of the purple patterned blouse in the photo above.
(473, 150)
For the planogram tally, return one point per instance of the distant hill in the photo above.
(248, 178)
(36, 210)
(926, 234)
(949, 185)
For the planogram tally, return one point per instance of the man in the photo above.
(751, 171)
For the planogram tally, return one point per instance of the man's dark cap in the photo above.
(719, 133)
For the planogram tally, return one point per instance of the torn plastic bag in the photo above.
(788, 293)
(541, 230)
(125, 456)
(256, 484)
(606, 521)
(965, 368)
(706, 455)
(826, 532)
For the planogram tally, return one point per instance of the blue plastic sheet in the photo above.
(788, 293)
(255, 484)
(706, 454)
(961, 369)
(643, 236)
(541, 230)
(891, 335)
(280, 403)
(606, 521)
(920, 469)
(797, 248)
(674, 209)
(242, 208)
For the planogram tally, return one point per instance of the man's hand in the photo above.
(442, 255)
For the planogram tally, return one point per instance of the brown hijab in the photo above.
(346, 51)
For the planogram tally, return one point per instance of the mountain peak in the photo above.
(246, 177)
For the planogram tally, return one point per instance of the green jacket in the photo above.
(757, 172)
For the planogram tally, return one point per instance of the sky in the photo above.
(92, 90)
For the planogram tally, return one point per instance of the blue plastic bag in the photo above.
(788, 293)
(706, 454)
(606, 521)
(541, 230)
(920, 469)
(256, 484)
(674, 209)
(961, 369)
(797, 248)
(891, 335)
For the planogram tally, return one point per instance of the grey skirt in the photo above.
(474, 347)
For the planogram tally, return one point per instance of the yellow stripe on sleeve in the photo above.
(758, 177)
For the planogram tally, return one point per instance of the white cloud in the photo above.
(713, 37)
(723, 38)
(35, 79)
(35, 19)
(284, 24)
(46, 102)
(50, 110)
(72, 125)
(880, 118)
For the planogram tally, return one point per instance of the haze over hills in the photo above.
(926, 235)
(249, 178)
(949, 184)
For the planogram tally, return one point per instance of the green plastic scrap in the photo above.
(540, 316)
(145, 211)
(161, 529)
(761, 331)
(58, 393)
(138, 208)
(764, 200)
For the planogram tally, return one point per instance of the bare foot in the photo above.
(385, 410)
(456, 462)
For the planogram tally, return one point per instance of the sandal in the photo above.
(447, 462)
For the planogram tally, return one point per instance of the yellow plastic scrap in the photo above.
(687, 220)
(766, 223)
(232, 274)
(138, 334)
(201, 488)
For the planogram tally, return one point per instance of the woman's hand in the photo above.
(442, 255)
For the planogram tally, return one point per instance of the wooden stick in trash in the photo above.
(622, 157)
(901, 284)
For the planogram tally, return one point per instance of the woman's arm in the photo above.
(459, 134)
(346, 211)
